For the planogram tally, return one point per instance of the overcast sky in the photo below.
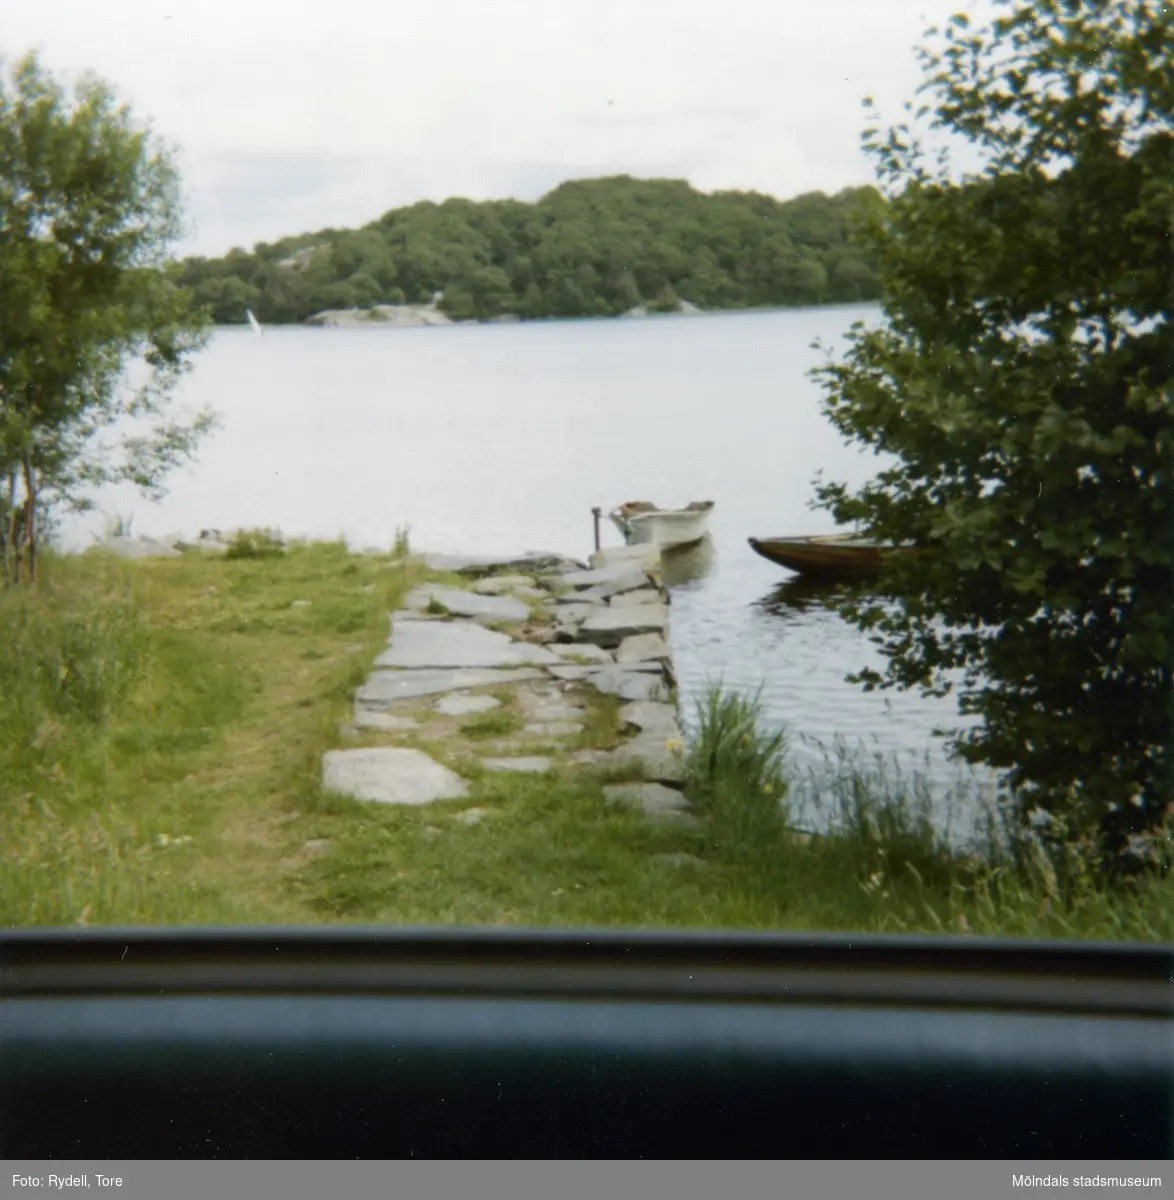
(294, 115)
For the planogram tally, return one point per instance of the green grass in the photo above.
(735, 777)
(884, 861)
(500, 723)
(255, 543)
(162, 724)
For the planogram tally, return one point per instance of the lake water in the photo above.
(502, 438)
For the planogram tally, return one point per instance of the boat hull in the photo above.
(665, 528)
(837, 557)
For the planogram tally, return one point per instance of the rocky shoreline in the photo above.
(402, 316)
(534, 643)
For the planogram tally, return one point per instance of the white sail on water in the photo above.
(254, 322)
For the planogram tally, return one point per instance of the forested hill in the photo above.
(594, 247)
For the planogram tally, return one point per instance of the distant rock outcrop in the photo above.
(301, 260)
(683, 307)
(405, 315)
(382, 314)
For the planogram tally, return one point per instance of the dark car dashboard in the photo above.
(398, 1043)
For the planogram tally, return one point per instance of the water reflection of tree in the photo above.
(803, 595)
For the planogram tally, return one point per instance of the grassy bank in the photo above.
(161, 729)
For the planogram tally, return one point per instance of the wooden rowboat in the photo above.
(835, 556)
(643, 523)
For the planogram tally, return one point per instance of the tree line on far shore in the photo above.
(596, 247)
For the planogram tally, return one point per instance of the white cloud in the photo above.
(297, 115)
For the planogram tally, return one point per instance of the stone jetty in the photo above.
(529, 664)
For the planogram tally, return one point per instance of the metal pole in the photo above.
(596, 512)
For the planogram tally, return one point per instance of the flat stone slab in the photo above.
(590, 758)
(652, 717)
(622, 578)
(576, 614)
(461, 705)
(552, 711)
(638, 597)
(652, 799)
(573, 672)
(587, 651)
(594, 596)
(365, 719)
(644, 647)
(467, 604)
(496, 585)
(389, 776)
(644, 556)
(476, 565)
(555, 729)
(610, 627)
(419, 644)
(546, 704)
(384, 688)
(527, 766)
(627, 685)
(652, 753)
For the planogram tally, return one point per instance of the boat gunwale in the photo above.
(678, 515)
(828, 554)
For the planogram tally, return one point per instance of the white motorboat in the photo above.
(642, 523)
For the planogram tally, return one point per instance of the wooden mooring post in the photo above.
(596, 513)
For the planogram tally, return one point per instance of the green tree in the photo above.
(665, 301)
(625, 294)
(1022, 384)
(365, 253)
(850, 278)
(334, 296)
(88, 208)
(367, 291)
(492, 292)
(589, 247)
(458, 303)
(533, 302)
(227, 299)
